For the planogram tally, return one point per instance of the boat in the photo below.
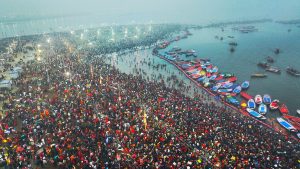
(258, 99)
(216, 87)
(255, 114)
(227, 75)
(267, 99)
(227, 85)
(232, 79)
(274, 104)
(245, 84)
(283, 109)
(215, 69)
(263, 65)
(237, 90)
(224, 90)
(277, 51)
(232, 43)
(259, 75)
(273, 69)
(219, 78)
(195, 76)
(286, 124)
(246, 96)
(270, 59)
(262, 109)
(293, 71)
(251, 104)
(298, 111)
(292, 118)
(233, 100)
(200, 79)
(213, 77)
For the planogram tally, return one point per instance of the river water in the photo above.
(253, 48)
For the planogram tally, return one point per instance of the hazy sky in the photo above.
(183, 11)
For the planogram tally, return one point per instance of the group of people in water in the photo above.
(73, 114)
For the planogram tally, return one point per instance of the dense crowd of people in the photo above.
(73, 114)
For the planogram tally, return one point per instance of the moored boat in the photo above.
(293, 71)
(258, 99)
(224, 90)
(262, 109)
(259, 75)
(232, 100)
(298, 111)
(227, 85)
(255, 114)
(263, 65)
(283, 109)
(273, 69)
(251, 104)
(274, 104)
(232, 79)
(237, 89)
(286, 124)
(245, 85)
(270, 59)
(267, 99)
(246, 96)
(216, 87)
(292, 118)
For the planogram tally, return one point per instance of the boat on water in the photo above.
(251, 104)
(259, 75)
(232, 100)
(218, 78)
(293, 71)
(227, 85)
(201, 79)
(274, 104)
(232, 43)
(277, 51)
(292, 118)
(216, 87)
(283, 109)
(224, 90)
(263, 65)
(237, 90)
(298, 111)
(273, 69)
(262, 109)
(255, 114)
(232, 79)
(286, 124)
(258, 99)
(246, 96)
(245, 84)
(213, 77)
(267, 99)
(270, 59)
(227, 75)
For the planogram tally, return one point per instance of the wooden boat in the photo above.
(270, 59)
(201, 79)
(267, 99)
(274, 104)
(237, 90)
(224, 90)
(195, 76)
(251, 104)
(219, 78)
(246, 96)
(293, 71)
(227, 85)
(213, 77)
(283, 109)
(273, 69)
(259, 75)
(262, 109)
(286, 124)
(255, 114)
(227, 75)
(216, 87)
(263, 65)
(277, 51)
(258, 99)
(215, 69)
(232, 100)
(292, 118)
(245, 84)
(232, 79)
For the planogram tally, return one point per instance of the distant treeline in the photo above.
(295, 21)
